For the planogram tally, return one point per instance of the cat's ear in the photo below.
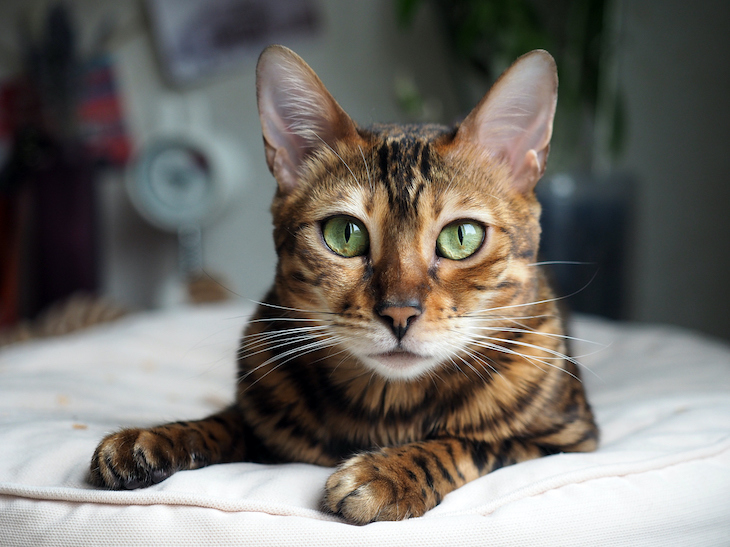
(297, 113)
(514, 121)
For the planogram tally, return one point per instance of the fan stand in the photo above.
(190, 251)
(183, 178)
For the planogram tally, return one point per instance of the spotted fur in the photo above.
(413, 373)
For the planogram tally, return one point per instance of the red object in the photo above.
(48, 231)
(100, 115)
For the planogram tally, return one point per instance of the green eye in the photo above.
(346, 236)
(460, 239)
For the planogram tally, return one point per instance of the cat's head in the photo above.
(403, 242)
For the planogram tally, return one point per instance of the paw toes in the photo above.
(363, 492)
(370, 502)
(127, 461)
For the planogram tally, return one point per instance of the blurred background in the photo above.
(132, 165)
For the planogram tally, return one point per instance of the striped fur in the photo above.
(477, 378)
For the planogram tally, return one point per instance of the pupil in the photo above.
(348, 232)
(460, 233)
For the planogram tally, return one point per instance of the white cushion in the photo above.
(661, 476)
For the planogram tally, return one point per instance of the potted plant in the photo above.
(485, 36)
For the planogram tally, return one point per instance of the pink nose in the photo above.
(400, 318)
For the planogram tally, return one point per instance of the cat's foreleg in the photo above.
(135, 458)
(406, 481)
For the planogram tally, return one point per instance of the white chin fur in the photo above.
(399, 367)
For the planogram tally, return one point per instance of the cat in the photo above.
(409, 337)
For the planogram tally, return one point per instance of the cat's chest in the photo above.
(391, 413)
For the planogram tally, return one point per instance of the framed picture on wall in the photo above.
(197, 39)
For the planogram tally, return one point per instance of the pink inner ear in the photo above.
(297, 113)
(515, 119)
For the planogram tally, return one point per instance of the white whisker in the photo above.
(259, 337)
(286, 308)
(457, 366)
(289, 319)
(291, 355)
(529, 358)
(487, 362)
(556, 354)
(367, 169)
(538, 333)
(268, 347)
(336, 154)
(467, 363)
(535, 303)
(568, 262)
(315, 344)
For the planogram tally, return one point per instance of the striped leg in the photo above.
(136, 458)
(406, 481)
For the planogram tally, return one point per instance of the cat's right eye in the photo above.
(346, 236)
(460, 239)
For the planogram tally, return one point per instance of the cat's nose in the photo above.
(400, 316)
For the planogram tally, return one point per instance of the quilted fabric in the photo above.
(661, 476)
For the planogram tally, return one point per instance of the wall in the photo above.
(357, 53)
(674, 72)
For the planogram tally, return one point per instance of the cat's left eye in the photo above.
(346, 236)
(460, 239)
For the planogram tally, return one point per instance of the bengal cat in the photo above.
(410, 337)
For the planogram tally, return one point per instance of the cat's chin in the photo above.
(399, 365)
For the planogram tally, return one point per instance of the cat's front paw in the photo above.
(377, 486)
(134, 458)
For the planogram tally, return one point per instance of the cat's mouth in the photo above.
(399, 364)
(398, 358)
